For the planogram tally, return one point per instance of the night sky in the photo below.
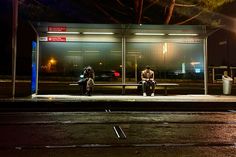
(90, 11)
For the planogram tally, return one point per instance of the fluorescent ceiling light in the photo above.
(187, 34)
(98, 33)
(133, 52)
(91, 51)
(75, 51)
(63, 32)
(149, 33)
(115, 51)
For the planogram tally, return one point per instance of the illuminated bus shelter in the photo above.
(118, 52)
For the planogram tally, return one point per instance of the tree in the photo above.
(202, 10)
(126, 11)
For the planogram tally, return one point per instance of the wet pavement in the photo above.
(177, 125)
(116, 133)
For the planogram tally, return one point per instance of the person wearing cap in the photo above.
(147, 76)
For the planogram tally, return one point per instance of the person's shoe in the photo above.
(88, 93)
(152, 94)
(144, 94)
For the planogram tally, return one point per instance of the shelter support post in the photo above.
(205, 67)
(123, 63)
(14, 44)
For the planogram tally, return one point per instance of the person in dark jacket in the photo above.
(89, 74)
(87, 83)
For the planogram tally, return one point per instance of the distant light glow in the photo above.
(34, 45)
(165, 49)
(183, 68)
(63, 32)
(81, 76)
(195, 63)
(116, 74)
(52, 61)
(149, 33)
(98, 33)
(197, 70)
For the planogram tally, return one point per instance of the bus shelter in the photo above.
(118, 52)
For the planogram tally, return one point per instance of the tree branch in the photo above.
(185, 5)
(39, 3)
(153, 2)
(107, 14)
(113, 9)
(191, 18)
(121, 4)
(138, 5)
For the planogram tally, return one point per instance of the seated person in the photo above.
(147, 77)
(87, 83)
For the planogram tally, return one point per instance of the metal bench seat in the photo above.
(165, 85)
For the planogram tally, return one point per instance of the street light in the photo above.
(52, 61)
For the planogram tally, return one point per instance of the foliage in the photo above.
(125, 11)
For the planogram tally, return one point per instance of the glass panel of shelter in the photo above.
(64, 61)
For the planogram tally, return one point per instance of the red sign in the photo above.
(56, 28)
(56, 39)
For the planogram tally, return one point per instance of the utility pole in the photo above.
(14, 43)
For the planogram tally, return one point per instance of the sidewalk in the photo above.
(102, 103)
(129, 98)
(23, 89)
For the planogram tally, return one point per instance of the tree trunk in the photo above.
(138, 6)
(170, 12)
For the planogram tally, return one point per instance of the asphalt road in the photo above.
(113, 134)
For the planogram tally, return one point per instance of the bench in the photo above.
(165, 85)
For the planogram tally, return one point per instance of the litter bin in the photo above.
(227, 84)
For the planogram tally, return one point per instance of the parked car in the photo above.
(105, 75)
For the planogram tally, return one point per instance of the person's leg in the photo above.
(88, 88)
(88, 92)
(152, 84)
(90, 84)
(83, 87)
(144, 87)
